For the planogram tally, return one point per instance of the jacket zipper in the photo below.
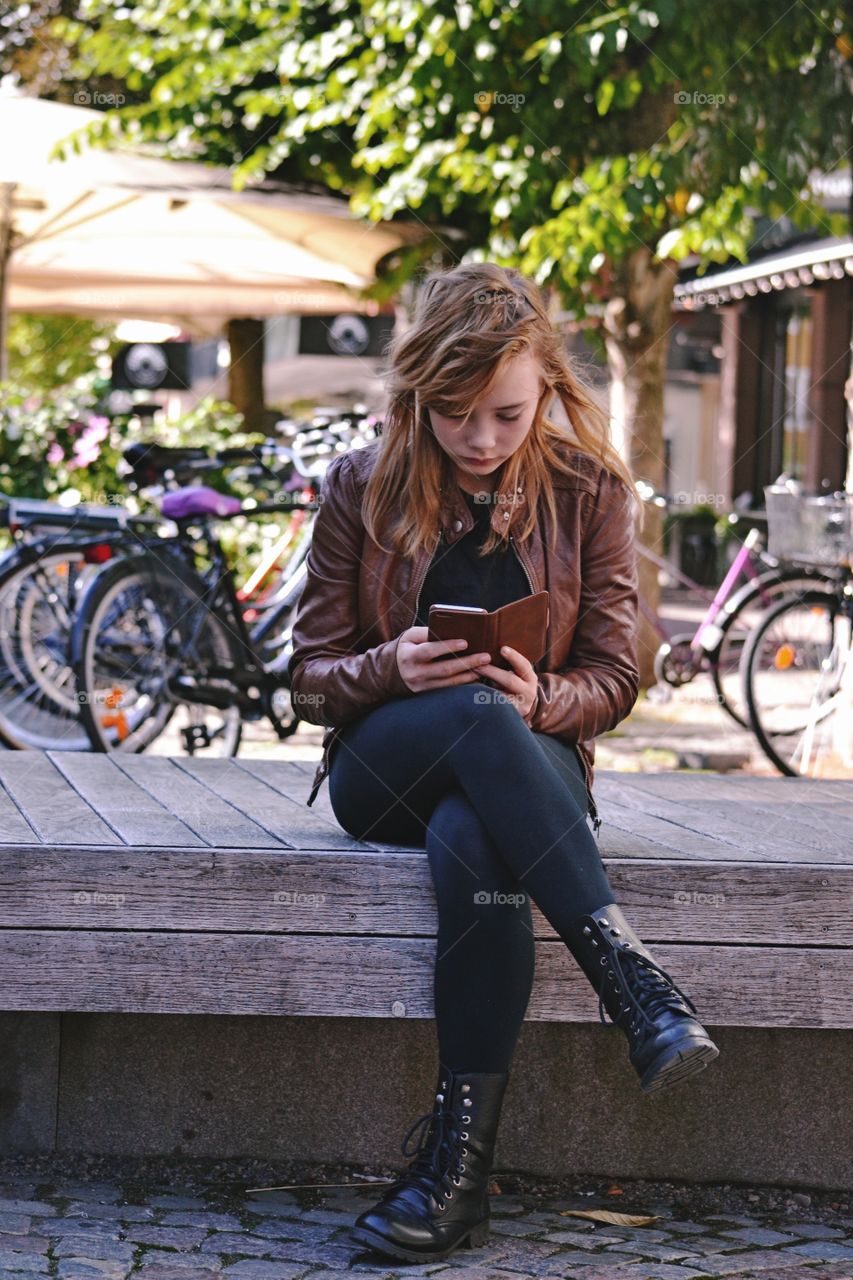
(420, 586)
(593, 807)
(596, 820)
(523, 565)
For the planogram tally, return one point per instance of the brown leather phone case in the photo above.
(522, 624)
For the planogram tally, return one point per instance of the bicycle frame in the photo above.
(251, 683)
(742, 563)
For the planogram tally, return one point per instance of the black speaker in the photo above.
(150, 366)
(346, 334)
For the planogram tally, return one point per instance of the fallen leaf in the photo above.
(615, 1219)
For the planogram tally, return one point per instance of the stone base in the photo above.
(775, 1107)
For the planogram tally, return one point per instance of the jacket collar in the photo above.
(506, 505)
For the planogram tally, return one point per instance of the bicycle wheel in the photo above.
(797, 686)
(742, 615)
(38, 697)
(143, 641)
(272, 641)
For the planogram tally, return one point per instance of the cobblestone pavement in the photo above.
(78, 1228)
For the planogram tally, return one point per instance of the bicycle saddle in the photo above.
(198, 500)
(150, 461)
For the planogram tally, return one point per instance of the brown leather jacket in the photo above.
(358, 599)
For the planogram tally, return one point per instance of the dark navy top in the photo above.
(458, 575)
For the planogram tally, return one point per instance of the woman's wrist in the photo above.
(528, 719)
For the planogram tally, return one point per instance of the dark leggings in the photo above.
(502, 813)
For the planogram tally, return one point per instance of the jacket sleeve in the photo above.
(332, 678)
(599, 684)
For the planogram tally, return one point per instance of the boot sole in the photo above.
(678, 1062)
(478, 1235)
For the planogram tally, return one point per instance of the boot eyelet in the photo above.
(463, 1135)
(450, 1195)
(441, 1205)
(461, 1170)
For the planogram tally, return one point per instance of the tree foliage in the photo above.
(554, 136)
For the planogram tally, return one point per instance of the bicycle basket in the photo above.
(809, 530)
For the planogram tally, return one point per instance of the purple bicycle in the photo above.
(718, 643)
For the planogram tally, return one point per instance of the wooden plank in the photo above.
(272, 808)
(218, 823)
(818, 830)
(819, 791)
(618, 834)
(14, 828)
(106, 970)
(296, 786)
(136, 816)
(285, 891)
(50, 804)
(733, 832)
(627, 826)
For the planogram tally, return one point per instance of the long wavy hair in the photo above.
(468, 322)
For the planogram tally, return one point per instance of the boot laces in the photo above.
(643, 980)
(437, 1154)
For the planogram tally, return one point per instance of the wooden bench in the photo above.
(153, 885)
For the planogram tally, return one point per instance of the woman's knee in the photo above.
(464, 702)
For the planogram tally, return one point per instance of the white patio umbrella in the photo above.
(121, 234)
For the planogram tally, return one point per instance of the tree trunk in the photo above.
(246, 371)
(637, 321)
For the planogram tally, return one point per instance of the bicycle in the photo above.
(717, 645)
(57, 549)
(163, 634)
(42, 576)
(797, 668)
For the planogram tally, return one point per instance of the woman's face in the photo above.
(495, 427)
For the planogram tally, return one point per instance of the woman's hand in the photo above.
(521, 685)
(418, 665)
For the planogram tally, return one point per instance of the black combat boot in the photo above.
(442, 1200)
(667, 1044)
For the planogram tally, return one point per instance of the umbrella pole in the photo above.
(7, 192)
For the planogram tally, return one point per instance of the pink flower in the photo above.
(55, 454)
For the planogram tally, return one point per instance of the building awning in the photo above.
(829, 259)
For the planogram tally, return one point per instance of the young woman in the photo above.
(473, 496)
